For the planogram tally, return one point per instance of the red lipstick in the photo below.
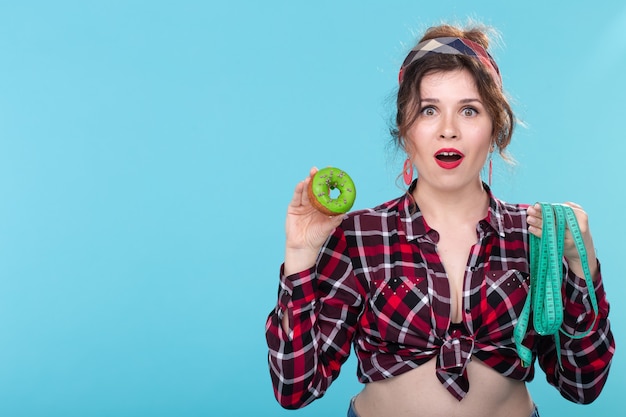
(448, 158)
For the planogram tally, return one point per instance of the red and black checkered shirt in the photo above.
(379, 284)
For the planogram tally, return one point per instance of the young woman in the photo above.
(428, 288)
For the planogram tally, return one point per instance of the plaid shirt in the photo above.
(379, 284)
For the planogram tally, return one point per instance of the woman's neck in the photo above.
(469, 203)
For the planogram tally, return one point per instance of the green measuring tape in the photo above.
(546, 279)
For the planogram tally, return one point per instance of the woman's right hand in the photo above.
(306, 229)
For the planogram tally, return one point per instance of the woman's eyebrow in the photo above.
(470, 100)
(462, 101)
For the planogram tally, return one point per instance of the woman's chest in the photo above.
(415, 290)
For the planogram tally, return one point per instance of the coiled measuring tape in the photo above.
(546, 279)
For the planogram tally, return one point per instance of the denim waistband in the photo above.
(352, 411)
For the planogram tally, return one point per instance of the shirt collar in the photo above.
(495, 215)
(413, 223)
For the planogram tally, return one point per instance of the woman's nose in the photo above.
(448, 128)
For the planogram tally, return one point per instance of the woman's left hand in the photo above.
(570, 252)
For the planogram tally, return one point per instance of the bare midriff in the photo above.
(418, 393)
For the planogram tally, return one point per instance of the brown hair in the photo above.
(496, 103)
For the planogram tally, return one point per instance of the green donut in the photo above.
(328, 179)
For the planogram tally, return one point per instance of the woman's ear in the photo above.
(407, 147)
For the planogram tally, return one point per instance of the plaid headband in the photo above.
(452, 46)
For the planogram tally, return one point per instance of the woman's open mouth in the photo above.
(448, 158)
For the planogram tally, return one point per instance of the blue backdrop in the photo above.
(148, 150)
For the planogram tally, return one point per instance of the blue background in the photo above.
(148, 151)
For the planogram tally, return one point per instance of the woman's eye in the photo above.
(468, 111)
(428, 111)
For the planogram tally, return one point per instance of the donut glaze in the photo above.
(323, 182)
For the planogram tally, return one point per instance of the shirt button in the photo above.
(467, 310)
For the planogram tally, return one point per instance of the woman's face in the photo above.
(451, 137)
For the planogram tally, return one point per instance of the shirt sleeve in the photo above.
(323, 306)
(585, 358)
